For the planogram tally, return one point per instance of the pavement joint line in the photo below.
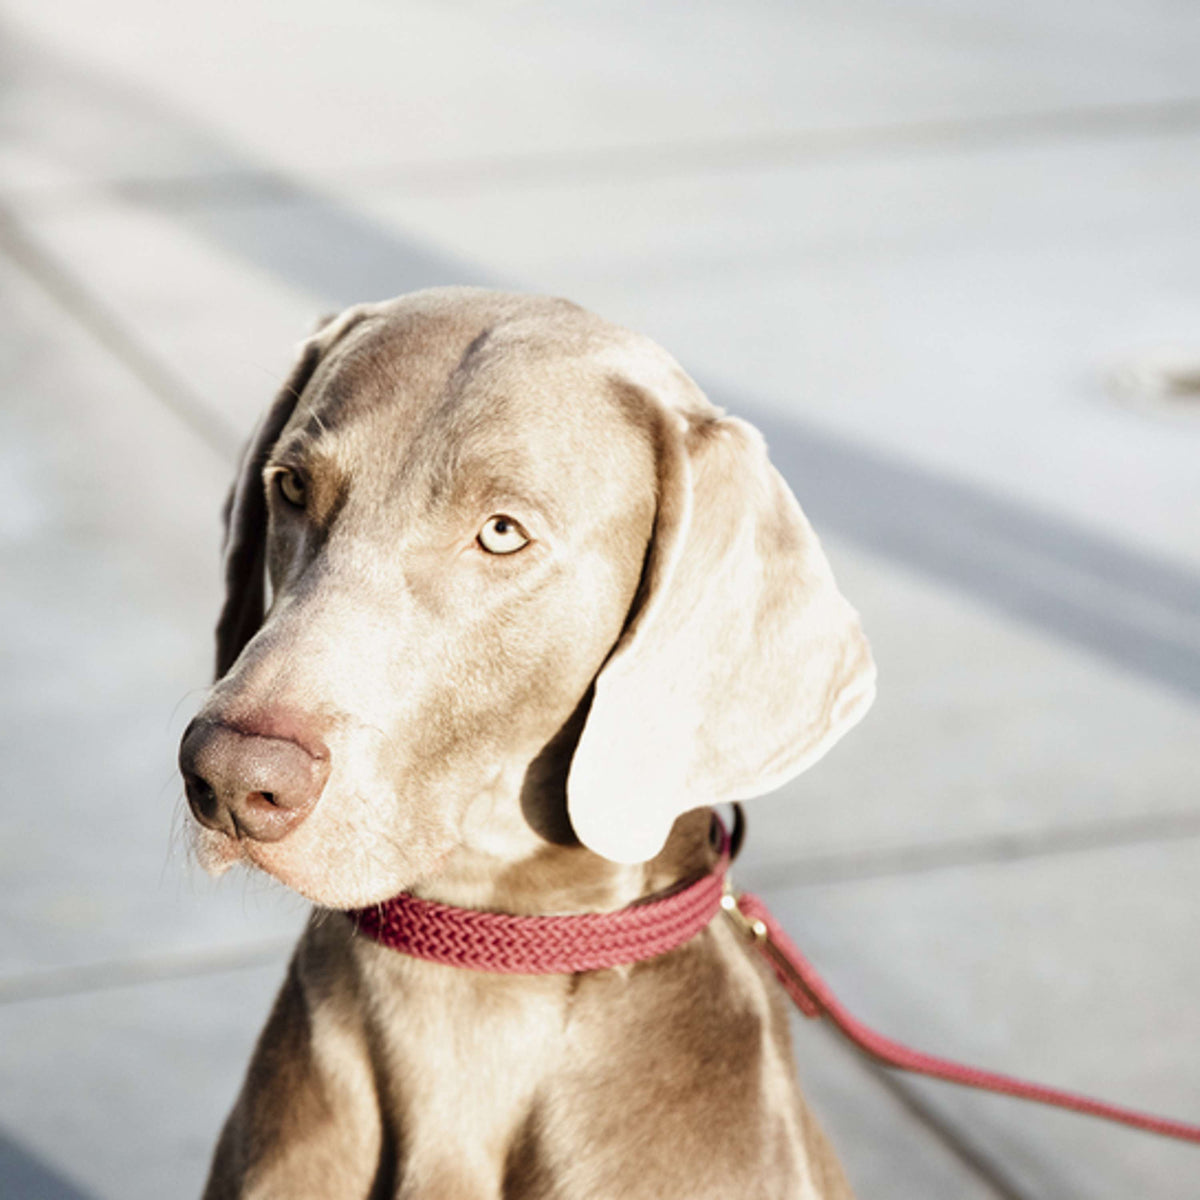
(1180, 115)
(89, 312)
(962, 1147)
(997, 849)
(62, 982)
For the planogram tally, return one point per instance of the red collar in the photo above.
(510, 945)
(502, 943)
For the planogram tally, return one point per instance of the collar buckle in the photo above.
(752, 929)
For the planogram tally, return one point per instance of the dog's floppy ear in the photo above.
(741, 664)
(245, 513)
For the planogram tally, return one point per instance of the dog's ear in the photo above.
(741, 663)
(245, 512)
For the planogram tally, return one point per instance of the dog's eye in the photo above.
(502, 535)
(291, 488)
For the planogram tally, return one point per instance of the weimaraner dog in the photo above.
(509, 605)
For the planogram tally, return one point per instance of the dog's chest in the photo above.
(615, 1084)
(464, 1059)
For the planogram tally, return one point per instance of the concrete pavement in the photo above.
(912, 243)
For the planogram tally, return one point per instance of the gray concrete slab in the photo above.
(138, 1121)
(222, 329)
(110, 533)
(909, 242)
(987, 738)
(365, 86)
(1074, 971)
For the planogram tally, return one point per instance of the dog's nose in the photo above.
(247, 785)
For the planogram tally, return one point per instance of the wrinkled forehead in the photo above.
(447, 403)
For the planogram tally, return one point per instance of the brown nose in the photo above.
(246, 785)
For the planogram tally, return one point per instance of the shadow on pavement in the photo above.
(24, 1176)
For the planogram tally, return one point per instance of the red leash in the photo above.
(813, 996)
(507, 944)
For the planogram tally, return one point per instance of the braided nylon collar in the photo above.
(501, 943)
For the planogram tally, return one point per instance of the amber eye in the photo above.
(502, 535)
(291, 488)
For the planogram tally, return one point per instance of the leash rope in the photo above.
(503, 943)
(813, 996)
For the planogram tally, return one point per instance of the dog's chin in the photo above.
(215, 852)
(318, 877)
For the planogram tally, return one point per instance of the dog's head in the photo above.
(477, 533)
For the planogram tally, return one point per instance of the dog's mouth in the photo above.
(215, 851)
(330, 866)
(218, 852)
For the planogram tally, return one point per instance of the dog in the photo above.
(509, 605)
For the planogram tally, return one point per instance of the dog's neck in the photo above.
(539, 877)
